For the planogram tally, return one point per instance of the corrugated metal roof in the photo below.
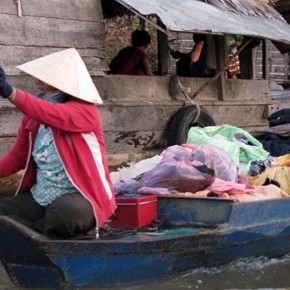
(247, 17)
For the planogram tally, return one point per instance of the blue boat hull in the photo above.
(203, 232)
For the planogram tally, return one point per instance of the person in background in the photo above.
(246, 58)
(194, 63)
(133, 60)
(66, 190)
(233, 42)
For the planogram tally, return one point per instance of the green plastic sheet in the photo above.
(228, 137)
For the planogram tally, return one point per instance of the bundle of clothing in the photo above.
(276, 138)
(197, 171)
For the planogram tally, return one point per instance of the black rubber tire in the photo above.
(182, 121)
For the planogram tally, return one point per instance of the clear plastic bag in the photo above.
(217, 159)
(182, 176)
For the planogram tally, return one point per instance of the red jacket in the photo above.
(129, 61)
(79, 140)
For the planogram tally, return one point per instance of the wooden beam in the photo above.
(220, 56)
(163, 51)
(265, 68)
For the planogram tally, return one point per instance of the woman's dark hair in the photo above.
(140, 38)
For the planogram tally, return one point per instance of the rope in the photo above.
(222, 70)
(19, 7)
(190, 100)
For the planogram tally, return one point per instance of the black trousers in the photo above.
(67, 216)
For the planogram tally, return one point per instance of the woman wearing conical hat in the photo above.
(66, 189)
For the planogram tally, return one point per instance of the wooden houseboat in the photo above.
(137, 110)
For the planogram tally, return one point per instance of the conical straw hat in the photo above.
(66, 71)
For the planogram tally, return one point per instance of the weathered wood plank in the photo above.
(5, 144)
(11, 56)
(114, 118)
(243, 115)
(134, 107)
(128, 129)
(15, 55)
(10, 119)
(88, 10)
(121, 87)
(22, 82)
(48, 26)
(148, 89)
(135, 118)
(248, 90)
(134, 141)
(118, 87)
(136, 122)
(50, 32)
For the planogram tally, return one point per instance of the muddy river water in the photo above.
(251, 273)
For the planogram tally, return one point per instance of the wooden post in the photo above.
(265, 68)
(254, 63)
(286, 68)
(220, 44)
(163, 52)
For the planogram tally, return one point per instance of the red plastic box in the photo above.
(135, 211)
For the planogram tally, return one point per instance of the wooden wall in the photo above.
(49, 26)
(45, 27)
(277, 63)
(136, 110)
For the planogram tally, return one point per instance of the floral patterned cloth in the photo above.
(52, 180)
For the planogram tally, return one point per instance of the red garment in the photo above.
(79, 140)
(129, 61)
(234, 66)
(220, 186)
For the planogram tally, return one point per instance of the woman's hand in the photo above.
(6, 89)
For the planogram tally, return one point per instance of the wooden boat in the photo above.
(199, 232)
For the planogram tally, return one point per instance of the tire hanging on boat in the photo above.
(183, 120)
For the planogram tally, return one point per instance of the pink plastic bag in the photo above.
(182, 176)
(176, 152)
(215, 158)
(220, 186)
